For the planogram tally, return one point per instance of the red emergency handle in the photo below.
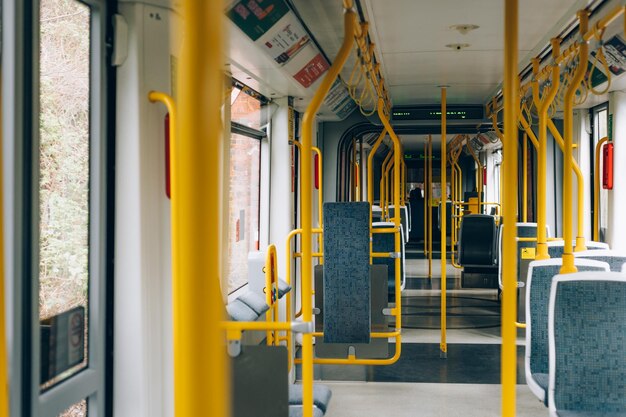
(316, 163)
(607, 166)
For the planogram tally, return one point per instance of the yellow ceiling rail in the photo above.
(200, 361)
(596, 191)
(568, 129)
(580, 239)
(509, 209)
(543, 104)
(4, 372)
(350, 26)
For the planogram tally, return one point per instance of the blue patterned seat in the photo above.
(587, 335)
(613, 258)
(539, 279)
(555, 247)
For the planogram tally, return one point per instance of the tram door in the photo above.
(58, 239)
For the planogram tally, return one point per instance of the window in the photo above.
(247, 109)
(63, 188)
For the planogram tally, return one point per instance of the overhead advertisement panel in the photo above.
(277, 31)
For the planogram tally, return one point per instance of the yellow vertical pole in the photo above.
(596, 192)
(305, 196)
(4, 374)
(568, 128)
(509, 207)
(543, 104)
(443, 346)
(429, 207)
(200, 361)
(525, 178)
(425, 199)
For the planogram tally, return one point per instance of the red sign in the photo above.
(311, 71)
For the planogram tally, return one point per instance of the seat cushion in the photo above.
(543, 380)
(321, 396)
(254, 301)
(239, 311)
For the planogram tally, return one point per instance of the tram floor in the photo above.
(361, 399)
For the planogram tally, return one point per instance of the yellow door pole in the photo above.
(525, 179)
(509, 207)
(4, 373)
(596, 192)
(425, 192)
(443, 345)
(429, 207)
(305, 198)
(200, 361)
(580, 239)
(568, 128)
(543, 104)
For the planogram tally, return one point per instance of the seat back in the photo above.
(404, 220)
(615, 259)
(347, 315)
(555, 247)
(539, 280)
(587, 329)
(477, 240)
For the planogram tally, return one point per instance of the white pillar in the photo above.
(616, 236)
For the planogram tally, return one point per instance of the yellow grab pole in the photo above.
(270, 315)
(305, 196)
(200, 361)
(509, 207)
(479, 174)
(429, 207)
(397, 151)
(443, 345)
(543, 104)
(580, 239)
(320, 200)
(568, 128)
(525, 179)
(4, 373)
(425, 192)
(370, 169)
(596, 192)
(383, 184)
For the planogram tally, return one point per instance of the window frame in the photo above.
(20, 63)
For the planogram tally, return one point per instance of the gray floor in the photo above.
(476, 325)
(365, 399)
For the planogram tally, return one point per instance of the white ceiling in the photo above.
(411, 35)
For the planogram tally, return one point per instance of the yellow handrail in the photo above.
(200, 361)
(383, 184)
(568, 109)
(479, 172)
(271, 291)
(443, 345)
(580, 239)
(425, 193)
(305, 187)
(525, 178)
(596, 191)
(4, 373)
(320, 198)
(509, 191)
(543, 104)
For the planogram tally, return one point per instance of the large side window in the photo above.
(247, 110)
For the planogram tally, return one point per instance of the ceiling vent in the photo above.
(458, 46)
(464, 29)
